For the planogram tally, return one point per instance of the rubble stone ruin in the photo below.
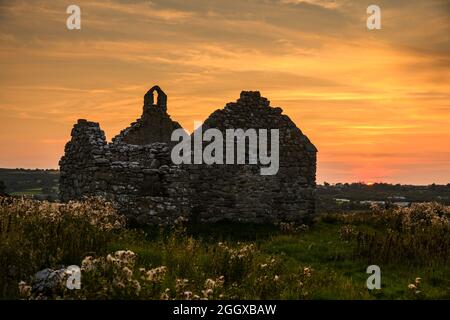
(135, 170)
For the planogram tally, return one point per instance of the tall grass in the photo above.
(419, 234)
(38, 234)
(327, 260)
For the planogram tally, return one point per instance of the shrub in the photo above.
(419, 234)
(38, 234)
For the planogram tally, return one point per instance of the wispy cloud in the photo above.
(328, 4)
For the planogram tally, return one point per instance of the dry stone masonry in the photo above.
(136, 173)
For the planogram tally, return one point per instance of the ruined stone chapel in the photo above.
(136, 173)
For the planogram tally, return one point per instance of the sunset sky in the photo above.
(375, 103)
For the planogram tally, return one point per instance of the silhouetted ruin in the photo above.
(135, 170)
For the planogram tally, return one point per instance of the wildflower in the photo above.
(87, 263)
(24, 289)
(110, 259)
(187, 295)
(125, 256)
(128, 273)
(137, 286)
(118, 284)
(220, 281)
(210, 283)
(307, 271)
(156, 274)
(165, 295)
(180, 284)
(208, 292)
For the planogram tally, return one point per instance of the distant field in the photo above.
(27, 192)
(31, 182)
(45, 183)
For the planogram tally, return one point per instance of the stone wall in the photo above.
(135, 170)
(240, 192)
(154, 125)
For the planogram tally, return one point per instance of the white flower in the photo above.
(187, 295)
(24, 289)
(137, 286)
(210, 283)
(128, 273)
(87, 264)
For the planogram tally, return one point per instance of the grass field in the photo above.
(339, 273)
(28, 192)
(327, 260)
